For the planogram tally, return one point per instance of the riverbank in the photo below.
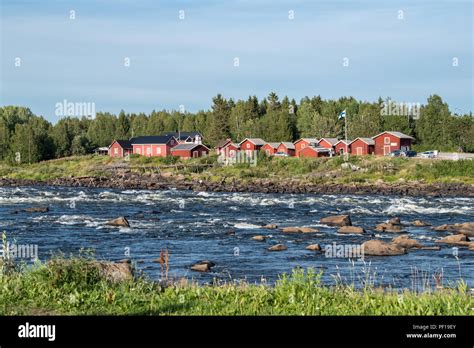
(384, 176)
(80, 287)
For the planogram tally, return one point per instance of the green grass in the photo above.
(79, 290)
(370, 169)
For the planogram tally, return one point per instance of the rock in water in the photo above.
(457, 239)
(120, 221)
(203, 266)
(270, 226)
(420, 223)
(278, 247)
(308, 230)
(388, 227)
(351, 229)
(290, 229)
(37, 210)
(314, 247)
(406, 242)
(380, 248)
(259, 238)
(337, 220)
(395, 221)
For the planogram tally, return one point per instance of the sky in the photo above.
(406, 50)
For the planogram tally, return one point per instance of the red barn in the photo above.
(270, 148)
(120, 148)
(342, 147)
(362, 146)
(229, 150)
(387, 142)
(251, 144)
(314, 151)
(222, 144)
(190, 150)
(286, 147)
(156, 146)
(328, 143)
(304, 142)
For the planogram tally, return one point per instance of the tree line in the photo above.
(35, 139)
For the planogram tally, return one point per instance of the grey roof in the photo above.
(344, 141)
(153, 139)
(222, 143)
(368, 141)
(288, 145)
(319, 148)
(255, 141)
(396, 134)
(273, 145)
(332, 141)
(183, 135)
(187, 146)
(309, 140)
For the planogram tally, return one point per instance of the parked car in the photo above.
(396, 153)
(281, 154)
(428, 154)
(410, 153)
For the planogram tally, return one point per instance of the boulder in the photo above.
(270, 226)
(259, 238)
(203, 266)
(308, 230)
(456, 239)
(314, 247)
(120, 222)
(471, 246)
(351, 229)
(116, 272)
(444, 227)
(37, 210)
(337, 220)
(290, 229)
(420, 223)
(430, 248)
(278, 247)
(406, 242)
(380, 248)
(466, 228)
(388, 227)
(394, 221)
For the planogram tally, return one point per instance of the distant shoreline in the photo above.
(158, 182)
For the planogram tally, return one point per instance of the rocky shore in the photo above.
(132, 180)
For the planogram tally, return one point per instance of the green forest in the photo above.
(272, 119)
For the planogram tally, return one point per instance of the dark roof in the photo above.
(187, 147)
(222, 143)
(153, 139)
(183, 135)
(399, 135)
(125, 144)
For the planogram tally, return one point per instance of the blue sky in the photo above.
(186, 62)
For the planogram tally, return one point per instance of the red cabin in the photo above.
(270, 148)
(362, 146)
(328, 143)
(387, 142)
(251, 144)
(230, 150)
(156, 146)
(342, 147)
(120, 148)
(222, 144)
(314, 151)
(190, 150)
(286, 147)
(304, 142)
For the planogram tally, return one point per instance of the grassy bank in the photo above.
(322, 170)
(79, 289)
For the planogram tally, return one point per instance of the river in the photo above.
(196, 226)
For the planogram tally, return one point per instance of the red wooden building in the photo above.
(120, 148)
(314, 151)
(251, 144)
(362, 146)
(304, 142)
(387, 142)
(230, 150)
(222, 144)
(157, 146)
(270, 148)
(286, 147)
(190, 150)
(328, 143)
(342, 147)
